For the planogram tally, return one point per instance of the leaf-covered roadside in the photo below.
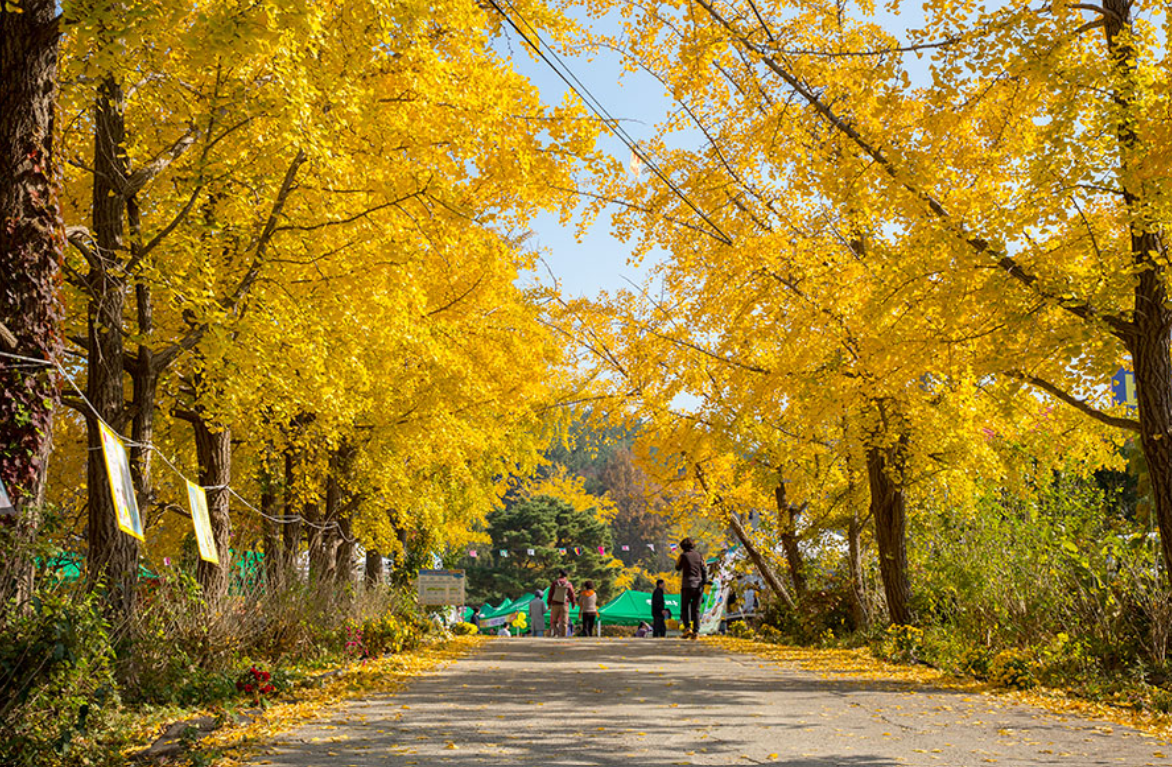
(861, 665)
(233, 743)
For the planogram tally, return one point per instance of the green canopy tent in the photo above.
(634, 607)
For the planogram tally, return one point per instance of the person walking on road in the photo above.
(588, 608)
(537, 614)
(659, 611)
(693, 576)
(561, 599)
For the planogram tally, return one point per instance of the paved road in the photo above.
(647, 703)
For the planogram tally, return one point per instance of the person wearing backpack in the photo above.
(561, 599)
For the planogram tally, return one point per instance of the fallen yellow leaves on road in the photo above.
(385, 674)
(860, 665)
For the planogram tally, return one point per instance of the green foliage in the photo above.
(543, 524)
(56, 682)
(1012, 668)
(464, 629)
(391, 633)
(901, 644)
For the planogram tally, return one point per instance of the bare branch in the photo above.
(1082, 406)
(161, 162)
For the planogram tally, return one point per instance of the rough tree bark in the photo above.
(886, 461)
(112, 558)
(31, 248)
(855, 562)
(763, 566)
(787, 523)
(272, 532)
(375, 569)
(213, 449)
(291, 531)
(1146, 337)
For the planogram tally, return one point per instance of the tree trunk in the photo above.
(214, 451)
(855, 563)
(344, 566)
(146, 389)
(31, 249)
(291, 530)
(320, 566)
(272, 533)
(787, 523)
(885, 469)
(1148, 340)
(374, 574)
(113, 555)
(763, 566)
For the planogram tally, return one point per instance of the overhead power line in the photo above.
(555, 62)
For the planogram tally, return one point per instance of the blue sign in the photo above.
(1123, 388)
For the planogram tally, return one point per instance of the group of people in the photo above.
(561, 597)
(693, 579)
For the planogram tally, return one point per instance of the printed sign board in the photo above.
(197, 498)
(6, 507)
(441, 587)
(121, 488)
(1123, 388)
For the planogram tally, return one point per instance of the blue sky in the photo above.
(598, 260)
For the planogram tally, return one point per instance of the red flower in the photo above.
(248, 688)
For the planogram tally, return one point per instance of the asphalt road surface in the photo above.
(647, 703)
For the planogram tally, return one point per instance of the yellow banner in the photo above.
(121, 488)
(198, 500)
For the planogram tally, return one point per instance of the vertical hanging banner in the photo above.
(121, 488)
(6, 507)
(197, 498)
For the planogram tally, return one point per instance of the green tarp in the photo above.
(634, 607)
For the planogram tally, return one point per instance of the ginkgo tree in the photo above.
(1033, 157)
(273, 164)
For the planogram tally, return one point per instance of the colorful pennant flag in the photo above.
(561, 551)
(531, 552)
(472, 553)
(577, 550)
(651, 546)
(671, 547)
(504, 552)
(602, 550)
(625, 547)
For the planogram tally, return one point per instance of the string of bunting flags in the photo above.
(575, 551)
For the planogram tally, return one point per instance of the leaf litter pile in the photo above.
(380, 675)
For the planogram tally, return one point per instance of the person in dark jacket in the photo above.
(659, 611)
(693, 576)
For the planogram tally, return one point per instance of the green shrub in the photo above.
(390, 633)
(976, 662)
(56, 681)
(901, 644)
(464, 629)
(1012, 668)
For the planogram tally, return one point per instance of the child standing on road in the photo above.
(588, 608)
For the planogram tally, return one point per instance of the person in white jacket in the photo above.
(537, 615)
